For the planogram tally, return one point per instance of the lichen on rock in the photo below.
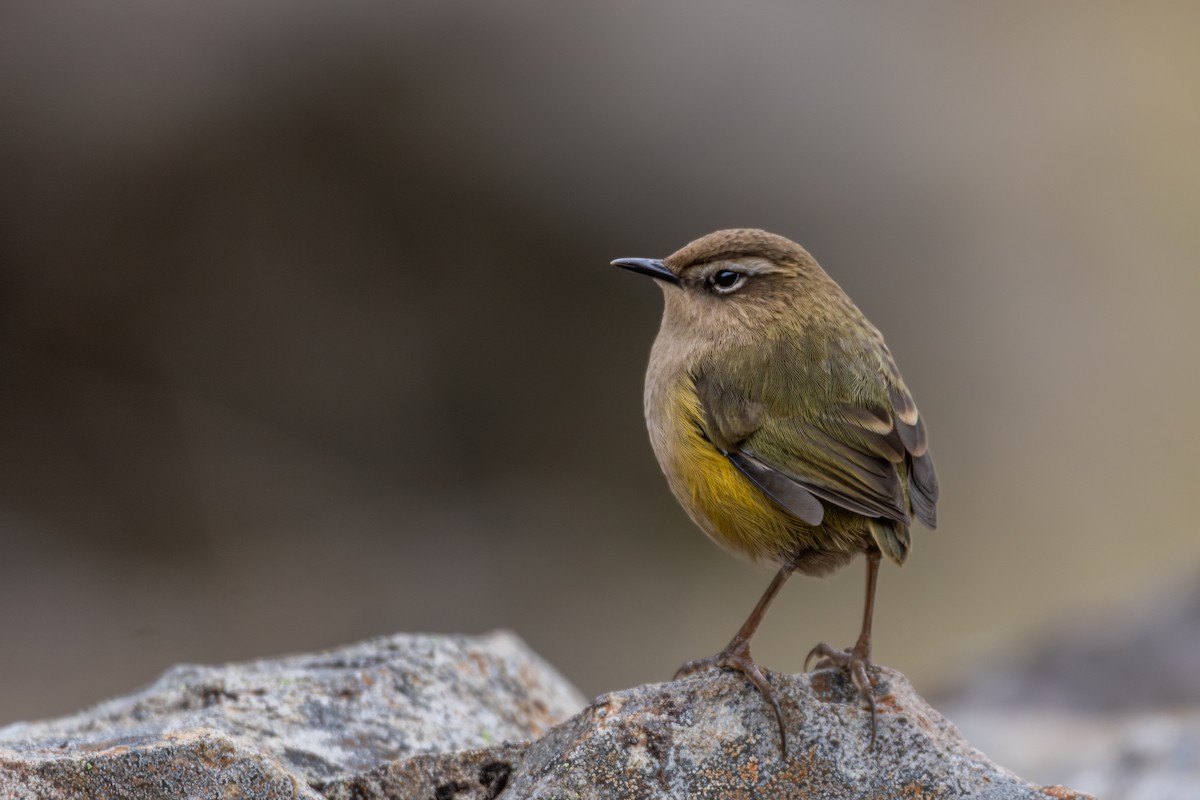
(477, 718)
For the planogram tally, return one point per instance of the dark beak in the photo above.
(648, 266)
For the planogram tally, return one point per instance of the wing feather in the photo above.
(867, 457)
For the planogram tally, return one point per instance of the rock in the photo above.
(451, 718)
(197, 763)
(711, 736)
(464, 775)
(288, 727)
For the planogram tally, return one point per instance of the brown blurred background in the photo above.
(308, 333)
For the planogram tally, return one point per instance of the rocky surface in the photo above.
(288, 727)
(460, 718)
(711, 736)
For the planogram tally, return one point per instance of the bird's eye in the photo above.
(727, 280)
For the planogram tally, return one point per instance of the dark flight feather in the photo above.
(786, 493)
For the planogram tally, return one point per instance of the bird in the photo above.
(784, 429)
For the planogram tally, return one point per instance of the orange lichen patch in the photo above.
(826, 686)
(887, 701)
(809, 770)
(748, 771)
(536, 715)
(105, 748)
(1062, 793)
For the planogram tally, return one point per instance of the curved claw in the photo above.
(824, 652)
(682, 672)
(737, 657)
(856, 664)
(756, 676)
(862, 682)
(693, 666)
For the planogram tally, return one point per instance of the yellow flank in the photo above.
(722, 501)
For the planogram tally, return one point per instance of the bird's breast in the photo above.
(717, 497)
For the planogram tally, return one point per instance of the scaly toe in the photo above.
(700, 664)
(738, 658)
(826, 657)
(856, 664)
(866, 691)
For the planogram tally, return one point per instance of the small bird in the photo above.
(783, 427)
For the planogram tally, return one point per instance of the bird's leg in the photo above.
(736, 654)
(856, 659)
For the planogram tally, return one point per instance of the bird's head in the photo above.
(736, 283)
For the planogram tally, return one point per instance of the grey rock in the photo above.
(289, 727)
(711, 736)
(202, 763)
(463, 775)
(452, 718)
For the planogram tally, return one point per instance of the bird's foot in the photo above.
(737, 656)
(855, 660)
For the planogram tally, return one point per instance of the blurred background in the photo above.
(308, 332)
